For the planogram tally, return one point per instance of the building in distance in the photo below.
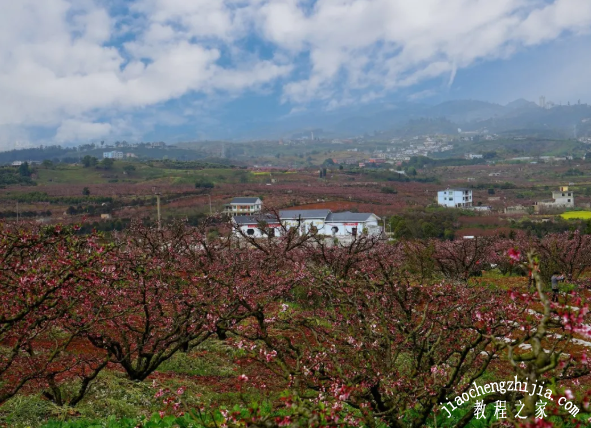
(455, 198)
(244, 206)
(113, 155)
(321, 222)
(563, 198)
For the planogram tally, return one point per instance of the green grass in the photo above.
(144, 173)
(580, 215)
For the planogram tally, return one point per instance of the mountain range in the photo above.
(401, 119)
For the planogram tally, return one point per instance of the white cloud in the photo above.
(399, 43)
(76, 130)
(59, 61)
(63, 60)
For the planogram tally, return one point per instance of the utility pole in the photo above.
(157, 206)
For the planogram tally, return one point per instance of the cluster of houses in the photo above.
(248, 219)
(462, 198)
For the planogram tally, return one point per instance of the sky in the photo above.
(75, 71)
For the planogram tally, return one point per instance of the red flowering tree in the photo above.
(42, 273)
(567, 252)
(155, 303)
(372, 338)
(460, 259)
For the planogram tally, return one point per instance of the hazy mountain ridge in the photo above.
(473, 115)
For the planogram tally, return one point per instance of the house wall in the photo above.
(565, 199)
(258, 233)
(456, 196)
(344, 228)
(305, 224)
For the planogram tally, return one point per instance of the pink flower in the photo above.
(161, 413)
(514, 254)
(243, 378)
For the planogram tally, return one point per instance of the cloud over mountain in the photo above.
(76, 67)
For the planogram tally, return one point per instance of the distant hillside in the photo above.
(466, 111)
(470, 115)
(70, 155)
(562, 120)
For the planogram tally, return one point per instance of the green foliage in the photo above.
(489, 186)
(107, 163)
(389, 190)
(24, 214)
(573, 172)
(128, 169)
(556, 225)
(411, 171)
(24, 170)
(10, 176)
(86, 191)
(197, 165)
(206, 364)
(32, 197)
(203, 183)
(425, 224)
(420, 162)
(88, 161)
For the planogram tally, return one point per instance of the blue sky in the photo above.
(73, 71)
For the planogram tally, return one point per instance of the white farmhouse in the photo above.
(455, 198)
(244, 206)
(322, 222)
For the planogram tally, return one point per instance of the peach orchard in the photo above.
(371, 333)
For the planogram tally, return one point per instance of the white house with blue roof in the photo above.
(322, 222)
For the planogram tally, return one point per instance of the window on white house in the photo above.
(334, 230)
(250, 232)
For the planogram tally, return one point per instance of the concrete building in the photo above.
(113, 155)
(455, 198)
(322, 222)
(563, 198)
(244, 206)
